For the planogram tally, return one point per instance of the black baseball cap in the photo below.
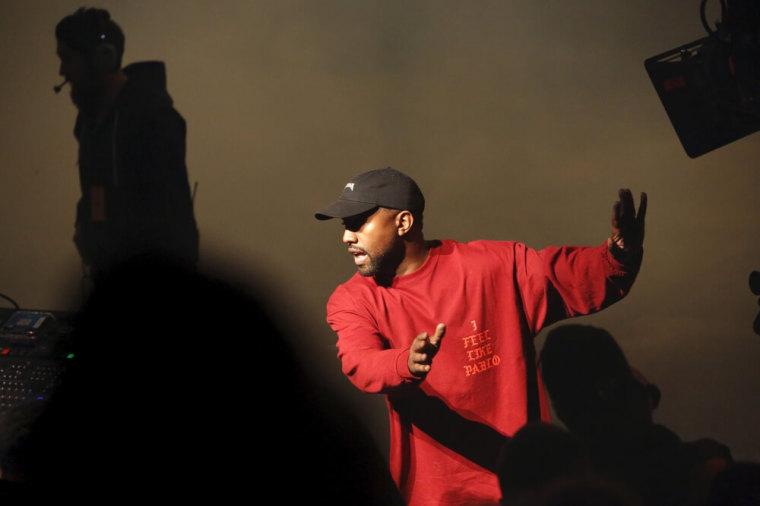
(386, 187)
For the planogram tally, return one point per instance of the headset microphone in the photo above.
(58, 87)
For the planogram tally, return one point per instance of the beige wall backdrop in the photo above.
(520, 119)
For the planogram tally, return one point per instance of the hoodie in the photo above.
(135, 196)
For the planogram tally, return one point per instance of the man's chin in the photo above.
(78, 98)
(369, 270)
(85, 97)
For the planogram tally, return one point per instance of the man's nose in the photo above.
(349, 237)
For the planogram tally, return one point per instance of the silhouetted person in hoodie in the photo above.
(135, 198)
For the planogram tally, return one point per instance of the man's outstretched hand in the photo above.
(627, 237)
(423, 350)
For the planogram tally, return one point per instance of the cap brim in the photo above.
(344, 209)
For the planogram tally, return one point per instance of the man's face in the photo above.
(84, 83)
(373, 240)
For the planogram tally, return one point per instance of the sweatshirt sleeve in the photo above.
(365, 354)
(567, 281)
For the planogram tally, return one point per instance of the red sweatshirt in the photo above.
(494, 297)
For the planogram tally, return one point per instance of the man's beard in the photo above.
(87, 96)
(373, 265)
(383, 265)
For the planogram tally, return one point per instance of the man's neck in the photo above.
(113, 84)
(416, 254)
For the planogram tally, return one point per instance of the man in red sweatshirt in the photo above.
(453, 401)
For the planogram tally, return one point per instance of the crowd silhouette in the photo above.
(185, 386)
(607, 450)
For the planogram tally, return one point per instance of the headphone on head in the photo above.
(103, 57)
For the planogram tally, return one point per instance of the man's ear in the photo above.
(404, 222)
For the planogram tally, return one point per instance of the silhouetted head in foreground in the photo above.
(590, 491)
(599, 397)
(185, 387)
(537, 456)
(738, 484)
(591, 385)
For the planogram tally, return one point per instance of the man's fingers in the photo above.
(624, 211)
(627, 207)
(423, 349)
(440, 330)
(418, 345)
(642, 208)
